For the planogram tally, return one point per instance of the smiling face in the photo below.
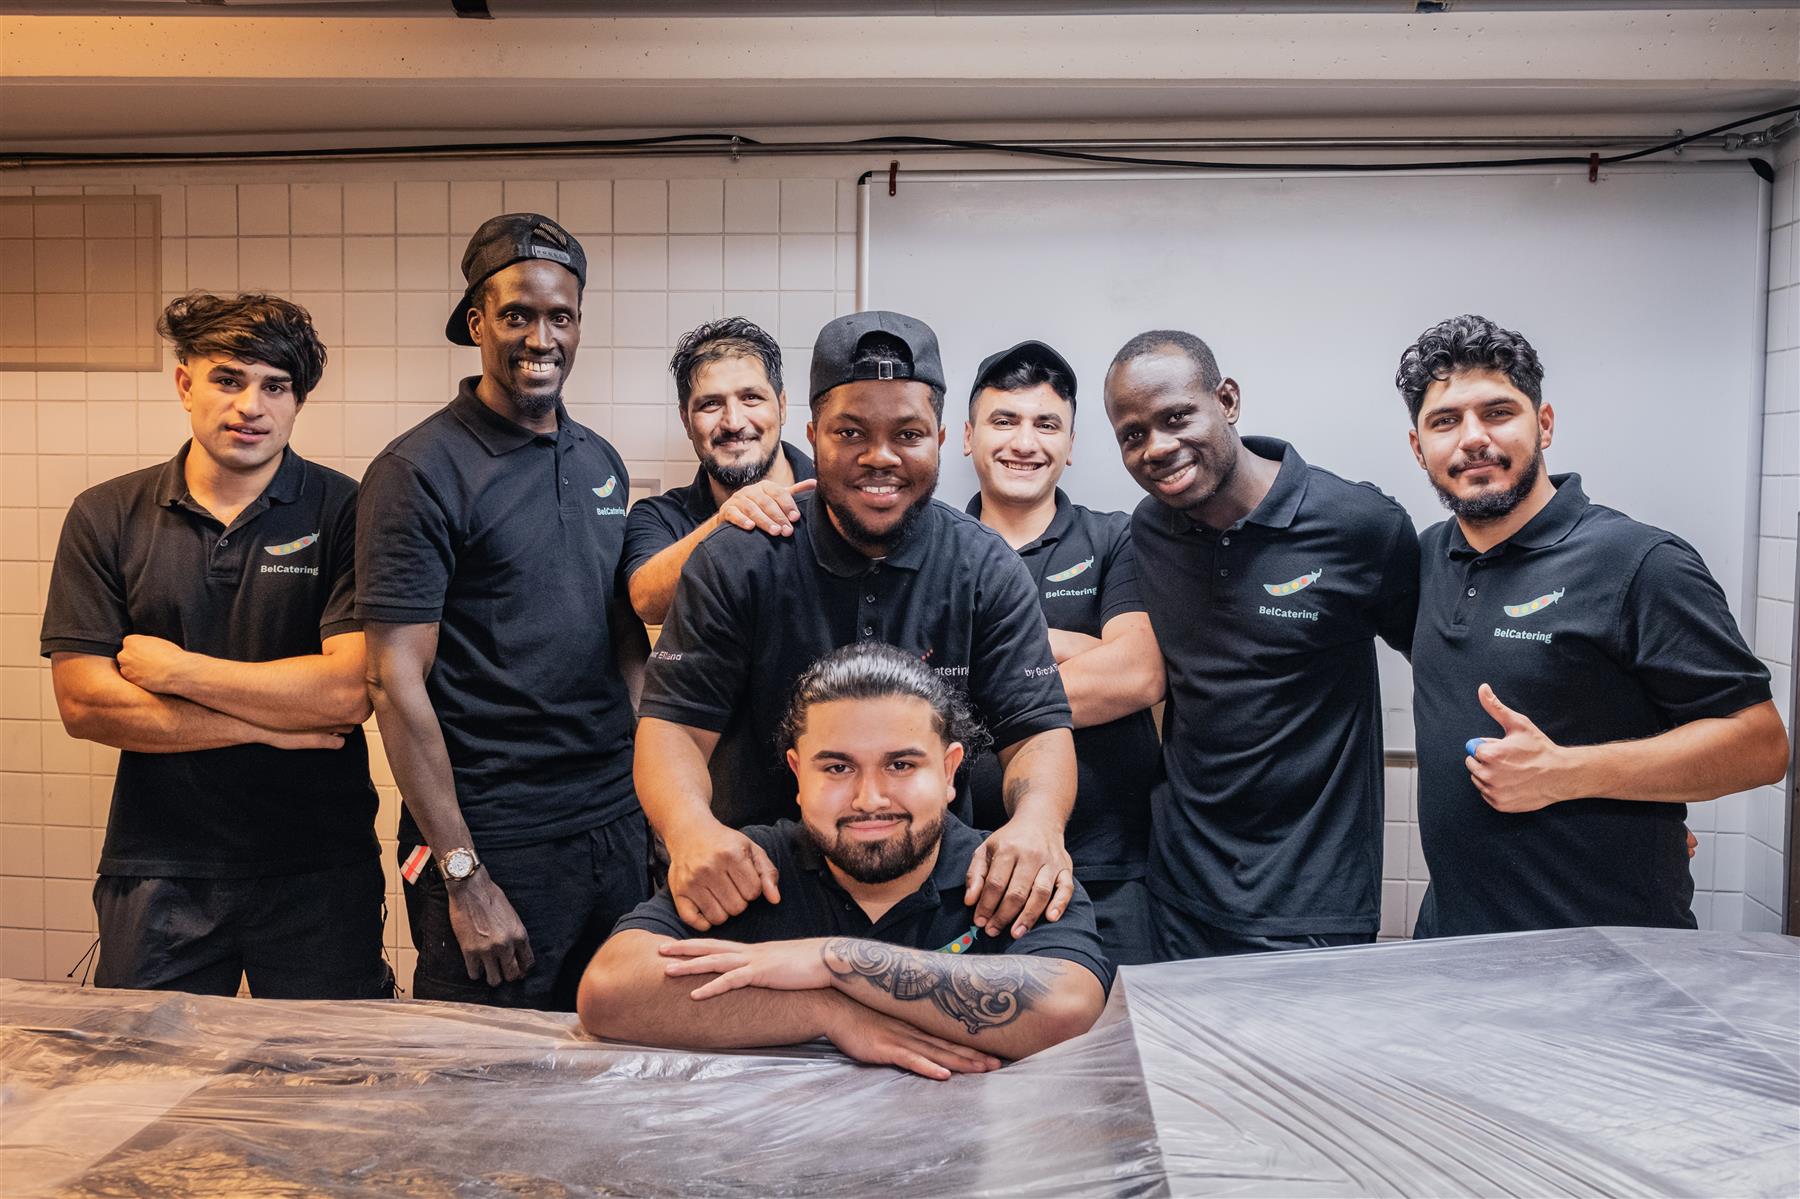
(1020, 443)
(242, 413)
(1177, 439)
(874, 777)
(875, 445)
(734, 418)
(1482, 443)
(528, 325)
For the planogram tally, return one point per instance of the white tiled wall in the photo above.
(375, 260)
(1755, 825)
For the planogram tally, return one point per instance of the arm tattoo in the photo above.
(977, 992)
(1016, 789)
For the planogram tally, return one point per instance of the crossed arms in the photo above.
(159, 698)
(935, 1014)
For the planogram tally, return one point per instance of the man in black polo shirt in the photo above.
(1564, 652)
(728, 386)
(1267, 582)
(872, 557)
(199, 619)
(873, 943)
(501, 644)
(1020, 435)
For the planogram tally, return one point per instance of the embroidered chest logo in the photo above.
(291, 547)
(282, 551)
(963, 943)
(1293, 585)
(1289, 588)
(1516, 611)
(604, 491)
(1063, 576)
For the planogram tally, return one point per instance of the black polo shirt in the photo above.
(1269, 822)
(814, 904)
(1598, 629)
(510, 542)
(659, 521)
(139, 554)
(1085, 575)
(752, 612)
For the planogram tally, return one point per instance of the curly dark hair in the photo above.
(727, 337)
(252, 327)
(876, 670)
(1467, 343)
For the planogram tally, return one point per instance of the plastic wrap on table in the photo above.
(1578, 1062)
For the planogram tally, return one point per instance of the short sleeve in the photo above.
(85, 612)
(655, 915)
(1119, 584)
(1013, 679)
(405, 549)
(1397, 600)
(649, 530)
(1681, 641)
(339, 615)
(1074, 938)
(699, 669)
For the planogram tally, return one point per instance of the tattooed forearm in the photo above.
(977, 992)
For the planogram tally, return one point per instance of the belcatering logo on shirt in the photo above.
(1529, 608)
(1288, 588)
(1063, 576)
(603, 491)
(283, 550)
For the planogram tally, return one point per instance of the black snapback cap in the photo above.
(502, 241)
(835, 351)
(1028, 351)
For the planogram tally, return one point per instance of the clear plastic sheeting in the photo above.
(1579, 1062)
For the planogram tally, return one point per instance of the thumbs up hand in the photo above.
(1520, 771)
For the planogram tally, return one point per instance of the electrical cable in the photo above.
(736, 142)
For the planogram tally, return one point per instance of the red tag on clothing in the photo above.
(415, 863)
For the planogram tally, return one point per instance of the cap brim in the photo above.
(457, 327)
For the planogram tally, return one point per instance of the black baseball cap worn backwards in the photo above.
(835, 351)
(1025, 351)
(502, 241)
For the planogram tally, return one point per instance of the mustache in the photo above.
(900, 818)
(1488, 459)
(734, 438)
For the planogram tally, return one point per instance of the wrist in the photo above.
(1572, 774)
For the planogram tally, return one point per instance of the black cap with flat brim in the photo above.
(502, 241)
(834, 353)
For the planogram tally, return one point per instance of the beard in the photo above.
(1491, 506)
(862, 536)
(534, 405)
(733, 477)
(880, 861)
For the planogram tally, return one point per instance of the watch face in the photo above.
(459, 864)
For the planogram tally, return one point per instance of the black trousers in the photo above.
(1122, 910)
(1180, 936)
(568, 892)
(294, 936)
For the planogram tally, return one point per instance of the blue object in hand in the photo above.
(1469, 748)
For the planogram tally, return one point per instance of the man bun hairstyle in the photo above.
(1464, 343)
(1155, 341)
(252, 327)
(728, 337)
(877, 670)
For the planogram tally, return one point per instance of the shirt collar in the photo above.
(1278, 508)
(697, 497)
(497, 434)
(284, 488)
(1555, 521)
(845, 560)
(1055, 531)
